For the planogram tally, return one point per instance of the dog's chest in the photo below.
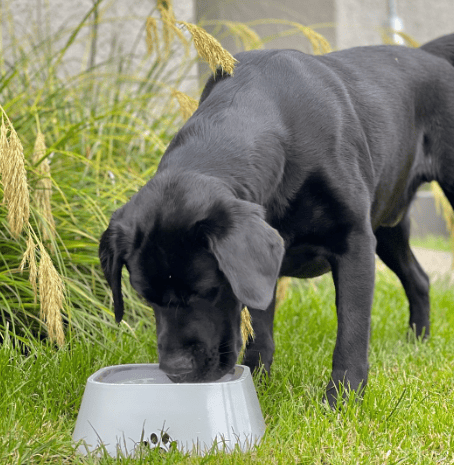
(310, 236)
(315, 225)
(305, 261)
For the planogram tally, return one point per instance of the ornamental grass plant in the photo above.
(73, 150)
(78, 147)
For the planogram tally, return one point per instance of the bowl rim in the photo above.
(93, 379)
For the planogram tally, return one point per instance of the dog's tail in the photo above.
(442, 47)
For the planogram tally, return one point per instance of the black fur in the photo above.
(296, 165)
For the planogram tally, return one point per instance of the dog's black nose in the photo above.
(177, 364)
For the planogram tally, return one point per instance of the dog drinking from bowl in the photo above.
(294, 166)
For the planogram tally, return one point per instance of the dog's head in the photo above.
(197, 255)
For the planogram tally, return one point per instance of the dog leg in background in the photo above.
(446, 176)
(260, 350)
(354, 277)
(394, 249)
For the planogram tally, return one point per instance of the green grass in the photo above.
(105, 130)
(433, 242)
(405, 417)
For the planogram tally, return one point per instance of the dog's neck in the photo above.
(241, 170)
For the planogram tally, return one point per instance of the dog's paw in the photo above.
(418, 332)
(339, 391)
(261, 371)
(258, 360)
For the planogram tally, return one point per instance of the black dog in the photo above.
(295, 166)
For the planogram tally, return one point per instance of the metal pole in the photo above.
(394, 22)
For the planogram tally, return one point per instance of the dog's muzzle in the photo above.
(177, 366)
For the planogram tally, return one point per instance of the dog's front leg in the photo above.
(260, 350)
(353, 275)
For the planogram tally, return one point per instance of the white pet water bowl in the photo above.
(126, 406)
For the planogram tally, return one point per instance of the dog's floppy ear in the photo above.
(112, 261)
(249, 254)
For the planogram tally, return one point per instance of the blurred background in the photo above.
(118, 26)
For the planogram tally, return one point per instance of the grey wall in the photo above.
(306, 12)
(120, 29)
(344, 23)
(351, 22)
(358, 21)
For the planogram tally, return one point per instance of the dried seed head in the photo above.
(319, 44)
(168, 21)
(152, 35)
(43, 190)
(442, 203)
(40, 148)
(388, 37)
(210, 49)
(14, 178)
(30, 258)
(408, 39)
(249, 38)
(4, 144)
(51, 297)
(169, 29)
(281, 291)
(188, 105)
(246, 329)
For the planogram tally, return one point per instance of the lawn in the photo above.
(105, 130)
(433, 242)
(406, 415)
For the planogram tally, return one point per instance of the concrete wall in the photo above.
(306, 12)
(425, 218)
(117, 25)
(359, 21)
(344, 23)
(348, 23)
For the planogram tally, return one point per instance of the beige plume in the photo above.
(43, 190)
(51, 297)
(210, 50)
(246, 329)
(14, 178)
(188, 105)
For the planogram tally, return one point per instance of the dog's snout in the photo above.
(177, 364)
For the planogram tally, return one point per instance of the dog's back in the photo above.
(359, 106)
(442, 47)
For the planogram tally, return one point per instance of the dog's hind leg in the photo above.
(394, 249)
(260, 350)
